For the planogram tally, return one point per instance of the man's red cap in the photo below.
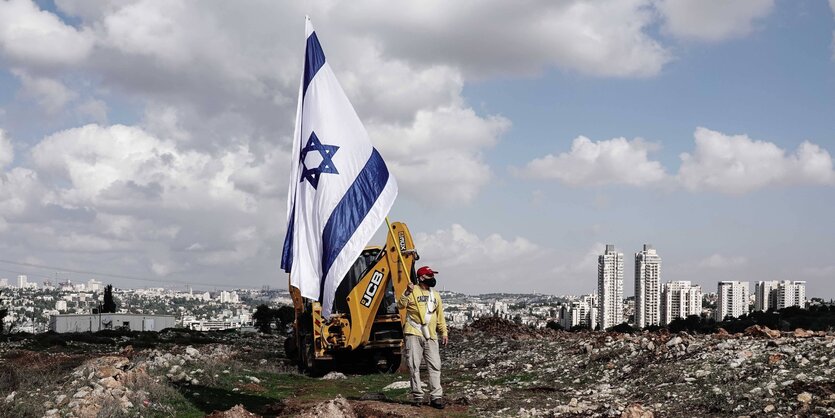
(426, 271)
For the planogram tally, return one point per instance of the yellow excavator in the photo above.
(365, 331)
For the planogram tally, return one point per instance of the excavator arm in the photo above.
(365, 299)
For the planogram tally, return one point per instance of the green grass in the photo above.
(266, 397)
(223, 383)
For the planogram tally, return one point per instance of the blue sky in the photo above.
(151, 140)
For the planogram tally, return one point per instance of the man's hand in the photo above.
(409, 288)
(444, 341)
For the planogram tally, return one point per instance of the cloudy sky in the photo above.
(150, 139)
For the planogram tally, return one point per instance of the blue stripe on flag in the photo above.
(351, 210)
(287, 251)
(314, 59)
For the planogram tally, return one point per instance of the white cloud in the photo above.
(445, 172)
(712, 20)
(123, 166)
(161, 268)
(718, 261)
(119, 189)
(601, 38)
(165, 122)
(51, 95)
(471, 263)
(6, 150)
(86, 9)
(595, 163)
(227, 83)
(581, 264)
(737, 164)
(574, 270)
(38, 38)
(95, 109)
(208, 85)
(456, 246)
(478, 263)
(20, 189)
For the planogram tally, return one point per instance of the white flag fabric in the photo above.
(340, 188)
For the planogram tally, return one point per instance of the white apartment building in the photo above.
(647, 287)
(22, 281)
(499, 308)
(765, 295)
(779, 294)
(228, 297)
(94, 285)
(610, 288)
(731, 299)
(791, 293)
(680, 299)
(579, 312)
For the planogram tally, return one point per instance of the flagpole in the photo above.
(397, 245)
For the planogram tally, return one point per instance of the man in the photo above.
(424, 321)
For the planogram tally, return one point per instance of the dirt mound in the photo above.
(335, 408)
(377, 409)
(237, 411)
(761, 331)
(494, 325)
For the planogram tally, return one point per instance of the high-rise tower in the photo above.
(647, 287)
(610, 288)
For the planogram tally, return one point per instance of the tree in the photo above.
(554, 326)
(284, 316)
(109, 305)
(263, 317)
(623, 327)
(3, 313)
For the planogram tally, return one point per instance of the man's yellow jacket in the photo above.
(416, 305)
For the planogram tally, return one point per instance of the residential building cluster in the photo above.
(33, 308)
(657, 303)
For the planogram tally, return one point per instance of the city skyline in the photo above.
(521, 141)
(648, 253)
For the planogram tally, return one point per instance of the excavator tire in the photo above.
(386, 361)
(308, 363)
(290, 348)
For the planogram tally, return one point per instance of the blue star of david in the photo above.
(326, 166)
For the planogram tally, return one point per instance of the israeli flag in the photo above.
(340, 188)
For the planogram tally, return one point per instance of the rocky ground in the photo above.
(493, 368)
(546, 373)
